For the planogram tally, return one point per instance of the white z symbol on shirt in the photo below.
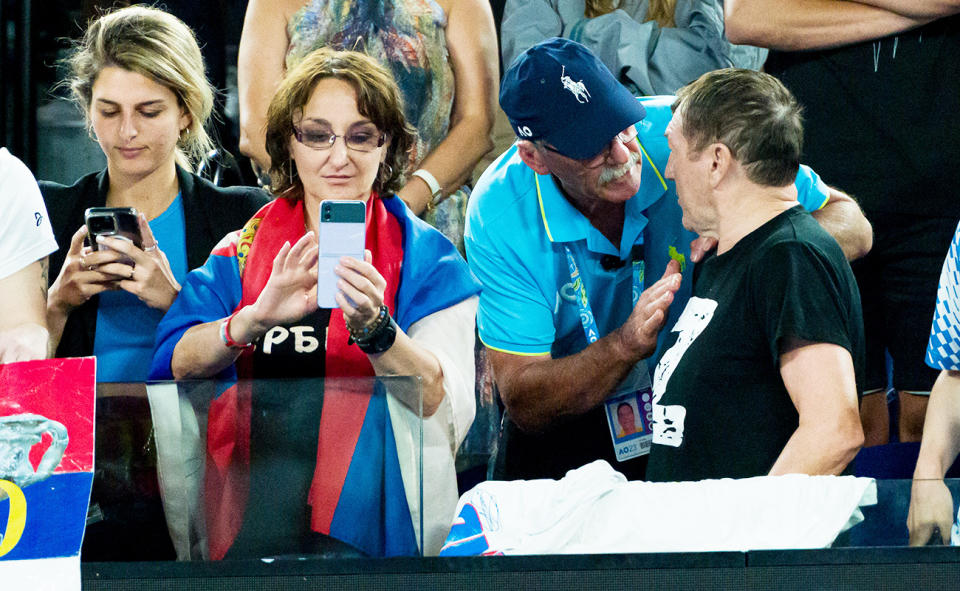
(668, 420)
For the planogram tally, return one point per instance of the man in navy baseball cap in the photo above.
(560, 93)
(580, 256)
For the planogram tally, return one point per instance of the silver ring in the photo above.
(152, 247)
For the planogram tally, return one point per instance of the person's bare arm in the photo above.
(917, 8)
(843, 219)
(23, 324)
(361, 291)
(260, 67)
(539, 390)
(931, 504)
(472, 43)
(289, 295)
(819, 378)
(796, 25)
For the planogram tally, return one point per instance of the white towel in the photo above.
(594, 509)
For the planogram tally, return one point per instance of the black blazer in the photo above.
(209, 213)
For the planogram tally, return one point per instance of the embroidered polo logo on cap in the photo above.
(578, 89)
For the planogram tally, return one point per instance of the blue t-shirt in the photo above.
(943, 349)
(123, 343)
(515, 237)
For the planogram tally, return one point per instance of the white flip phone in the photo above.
(342, 232)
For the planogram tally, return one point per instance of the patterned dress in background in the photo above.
(408, 37)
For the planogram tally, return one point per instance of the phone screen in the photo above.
(342, 232)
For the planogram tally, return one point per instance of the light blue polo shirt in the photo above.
(515, 242)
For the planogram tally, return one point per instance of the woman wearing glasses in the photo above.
(442, 54)
(335, 130)
(138, 76)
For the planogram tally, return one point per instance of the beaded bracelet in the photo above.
(376, 337)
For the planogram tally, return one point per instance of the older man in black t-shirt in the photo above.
(761, 376)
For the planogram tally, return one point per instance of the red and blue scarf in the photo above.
(357, 493)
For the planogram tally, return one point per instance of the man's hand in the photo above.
(931, 506)
(930, 502)
(638, 335)
(540, 391)
(701, 246)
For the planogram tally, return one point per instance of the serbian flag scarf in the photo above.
(356, 494)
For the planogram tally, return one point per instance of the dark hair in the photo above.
(154, 44)
(751, 113)
(378, 99)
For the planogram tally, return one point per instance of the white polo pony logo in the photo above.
(577, 88)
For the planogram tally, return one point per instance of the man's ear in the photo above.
(531, 156)
(721, 163)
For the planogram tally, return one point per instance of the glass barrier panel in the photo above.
(272, 468)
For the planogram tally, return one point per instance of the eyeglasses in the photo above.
(625, 137)
(364, 140)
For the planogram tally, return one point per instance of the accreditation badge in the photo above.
(629, 413)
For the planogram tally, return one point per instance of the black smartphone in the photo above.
(116, 222)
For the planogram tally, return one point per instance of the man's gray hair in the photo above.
(751, 113)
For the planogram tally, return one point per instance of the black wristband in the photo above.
(380, 340)
(378, 336)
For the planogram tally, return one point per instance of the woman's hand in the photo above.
(361, 290)
(291, 292)
(150, 277)
(82, 276)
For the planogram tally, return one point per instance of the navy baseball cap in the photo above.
(559, 92)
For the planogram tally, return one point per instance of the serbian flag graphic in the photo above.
(46, 469)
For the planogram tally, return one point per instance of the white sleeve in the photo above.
(25, 232)
(450, 335)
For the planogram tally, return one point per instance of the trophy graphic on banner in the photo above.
(18, 435)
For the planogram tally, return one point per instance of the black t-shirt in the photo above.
(295, 350)
(881, 118)
(722, 392)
